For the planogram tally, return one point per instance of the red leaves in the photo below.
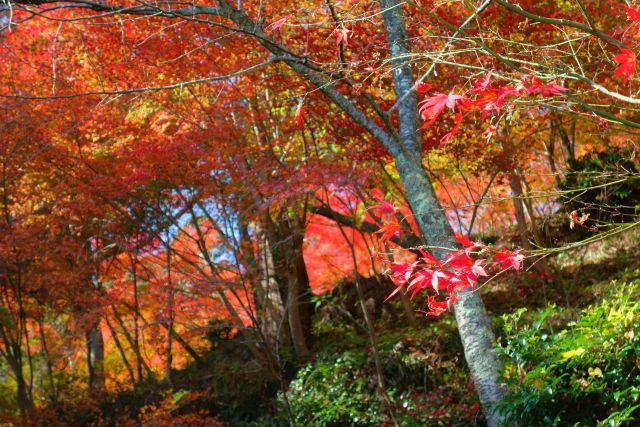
(508, 259)
(279, 23)
(633, 14)
(342, 35)
(436, 308)
(627, 61)
(546, 90)
(458, 272)
(389, 230)
(299, 116)
(488, 99)
(433, 106)
(422, 87)
(385, 208)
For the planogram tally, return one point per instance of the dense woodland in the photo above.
(319, 213)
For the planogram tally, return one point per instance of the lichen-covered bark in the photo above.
(474, 325)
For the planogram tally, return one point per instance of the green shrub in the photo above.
(585, 374)
(334, 392)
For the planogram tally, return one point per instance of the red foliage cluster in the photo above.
(452, 277)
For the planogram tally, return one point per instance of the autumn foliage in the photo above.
(173, 172)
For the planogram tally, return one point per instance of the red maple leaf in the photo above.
(385, 207)
(508, 259)
(456, 127)
(342, 35)
(545, 90)
(431, 107)
(627, 61)
(389, 230)
(422, 87)
(300, 110)
(436, 308)
(633, 14)
(482, 84)
(279, 23)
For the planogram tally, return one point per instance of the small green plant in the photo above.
(585, 374)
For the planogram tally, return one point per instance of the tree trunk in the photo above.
(474, 324)
(298, 318)
(23, 397)
(518, 207)
(286, 238)
(265, 291)
(25, 403)
(130, 340)
(95, 359)
(45, 350)
(136, 330)
(123, 355)
(170, 321)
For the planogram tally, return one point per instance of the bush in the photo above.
(334, 391)
(425, 388)
(585, 374)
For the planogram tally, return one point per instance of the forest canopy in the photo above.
(325, 213)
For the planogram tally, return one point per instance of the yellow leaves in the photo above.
(595, 372)
(538, 384)
(509, 371)
(572, 353)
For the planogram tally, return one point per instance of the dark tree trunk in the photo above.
(286, 238)
(95, 359)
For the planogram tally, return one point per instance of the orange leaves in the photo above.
(627, 61)
(574, 219)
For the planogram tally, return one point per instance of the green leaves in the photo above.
(560, 377)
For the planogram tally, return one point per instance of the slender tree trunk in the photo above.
(25, 403)
(266, 294)
(130, 340)
(123, 355)
(23, 397)
(297, 281)
(52, 385)
(136, 329)
(170, 314)
(95, 359)
(286, 242)
(518, 207)
(474, 325)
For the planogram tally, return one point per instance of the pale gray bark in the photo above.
(474, 325)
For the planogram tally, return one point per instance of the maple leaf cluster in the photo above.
(449, 279)
(487, 99)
